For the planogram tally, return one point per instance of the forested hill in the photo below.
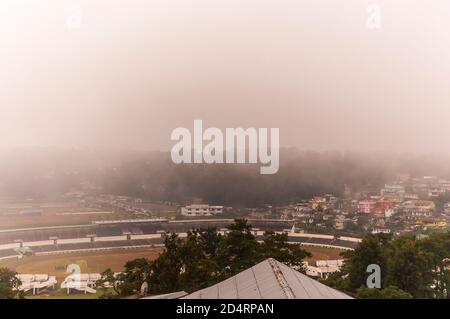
(152, 175)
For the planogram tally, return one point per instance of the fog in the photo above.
(132, 73)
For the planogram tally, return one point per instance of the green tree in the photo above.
(238, 249)
(339, 281)
(407, 267)
(206, 257)
(390, 292)
(420, 268)
(135, 274)
(9, 284)
(198, 256)
(277, 246)
(166, 269)
(437, 250)
(108, 278)
(370, 251)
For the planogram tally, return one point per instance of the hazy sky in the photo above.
(132, 73)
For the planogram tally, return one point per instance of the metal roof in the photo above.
(173, 295)
(269, 279)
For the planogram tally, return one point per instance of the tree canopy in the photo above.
(9, 284)
(206, 257)
(409, 266)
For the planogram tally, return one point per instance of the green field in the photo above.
(97, 261)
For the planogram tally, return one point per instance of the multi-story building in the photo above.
(366, 206)
(318, 202)
(393, 190)
(201, 210)
(444, 185)
(389, 212)
(418, 205)
(378, 230)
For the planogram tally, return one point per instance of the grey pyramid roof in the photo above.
(269, 279)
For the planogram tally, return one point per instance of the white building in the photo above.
(201, 210)
(388, 212)
(366, 206)
(393, 190)
(34, 283)
(324, 268)
(81, 282)
(378, 230)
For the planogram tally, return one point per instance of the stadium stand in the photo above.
(145, 228)
(7, 253)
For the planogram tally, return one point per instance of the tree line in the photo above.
(410, 267)
(9, 285)
(204, 258)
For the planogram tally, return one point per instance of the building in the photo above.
(318, 202)
(418, 206)
(201, 210)
(378, 230)
(389, 212)
(324, 268)
(34, 283)
(444, 185)
(302, 206)
(269, 279)
(366, 206)
(81, 282)
(436, 192)
(393, 190)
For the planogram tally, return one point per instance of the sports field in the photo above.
(98, 261)
(322, 253)
(89, 262)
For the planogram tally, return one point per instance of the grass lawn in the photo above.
(61, 294)
(98, 261)
(89, 262)
(6, 262)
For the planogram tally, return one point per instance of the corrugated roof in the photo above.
(269, 279)
(173, 295)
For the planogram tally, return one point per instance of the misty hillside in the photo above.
(33, 173)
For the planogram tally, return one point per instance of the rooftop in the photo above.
(269, 279)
